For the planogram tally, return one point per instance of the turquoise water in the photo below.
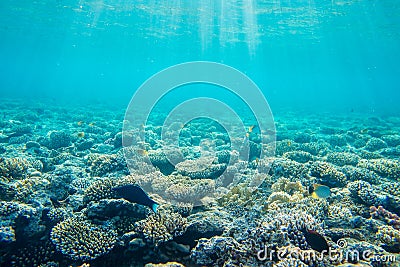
(331, 55)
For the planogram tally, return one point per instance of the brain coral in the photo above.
(82, 240)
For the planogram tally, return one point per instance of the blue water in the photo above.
(323, 55)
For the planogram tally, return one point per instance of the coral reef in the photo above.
(366, 193)
(385, 167)
(342, 158)
(217, 207)
(375, 144)
(205, 167)
(13, 168)
(100, 189)
(161, 227)
(101, 164)
(386, 216)
(81, 240)
(57, 139)
(327, 173)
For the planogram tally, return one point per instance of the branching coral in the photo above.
(205, 167)
(101, 164)
(178, 188)
(161, 227)
(384, 167)
(366, 193)
(13, 168)
(388, 235)
(299, 156)
(342, 158)
(100, 189)
(327, 173)
(81, 240)
(58, 139)
(386, 216)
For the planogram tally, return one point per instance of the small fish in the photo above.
(135, 194)
(289, 143)
(364, 130)
(251, 128)
(80, 134)
(80, 123)
(320, 191)
(315, 240)
(142, 152)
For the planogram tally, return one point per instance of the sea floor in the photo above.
(60, 164)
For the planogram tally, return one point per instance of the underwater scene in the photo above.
(200, 133)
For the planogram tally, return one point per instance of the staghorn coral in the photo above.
(159, 228)
(82, 240)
